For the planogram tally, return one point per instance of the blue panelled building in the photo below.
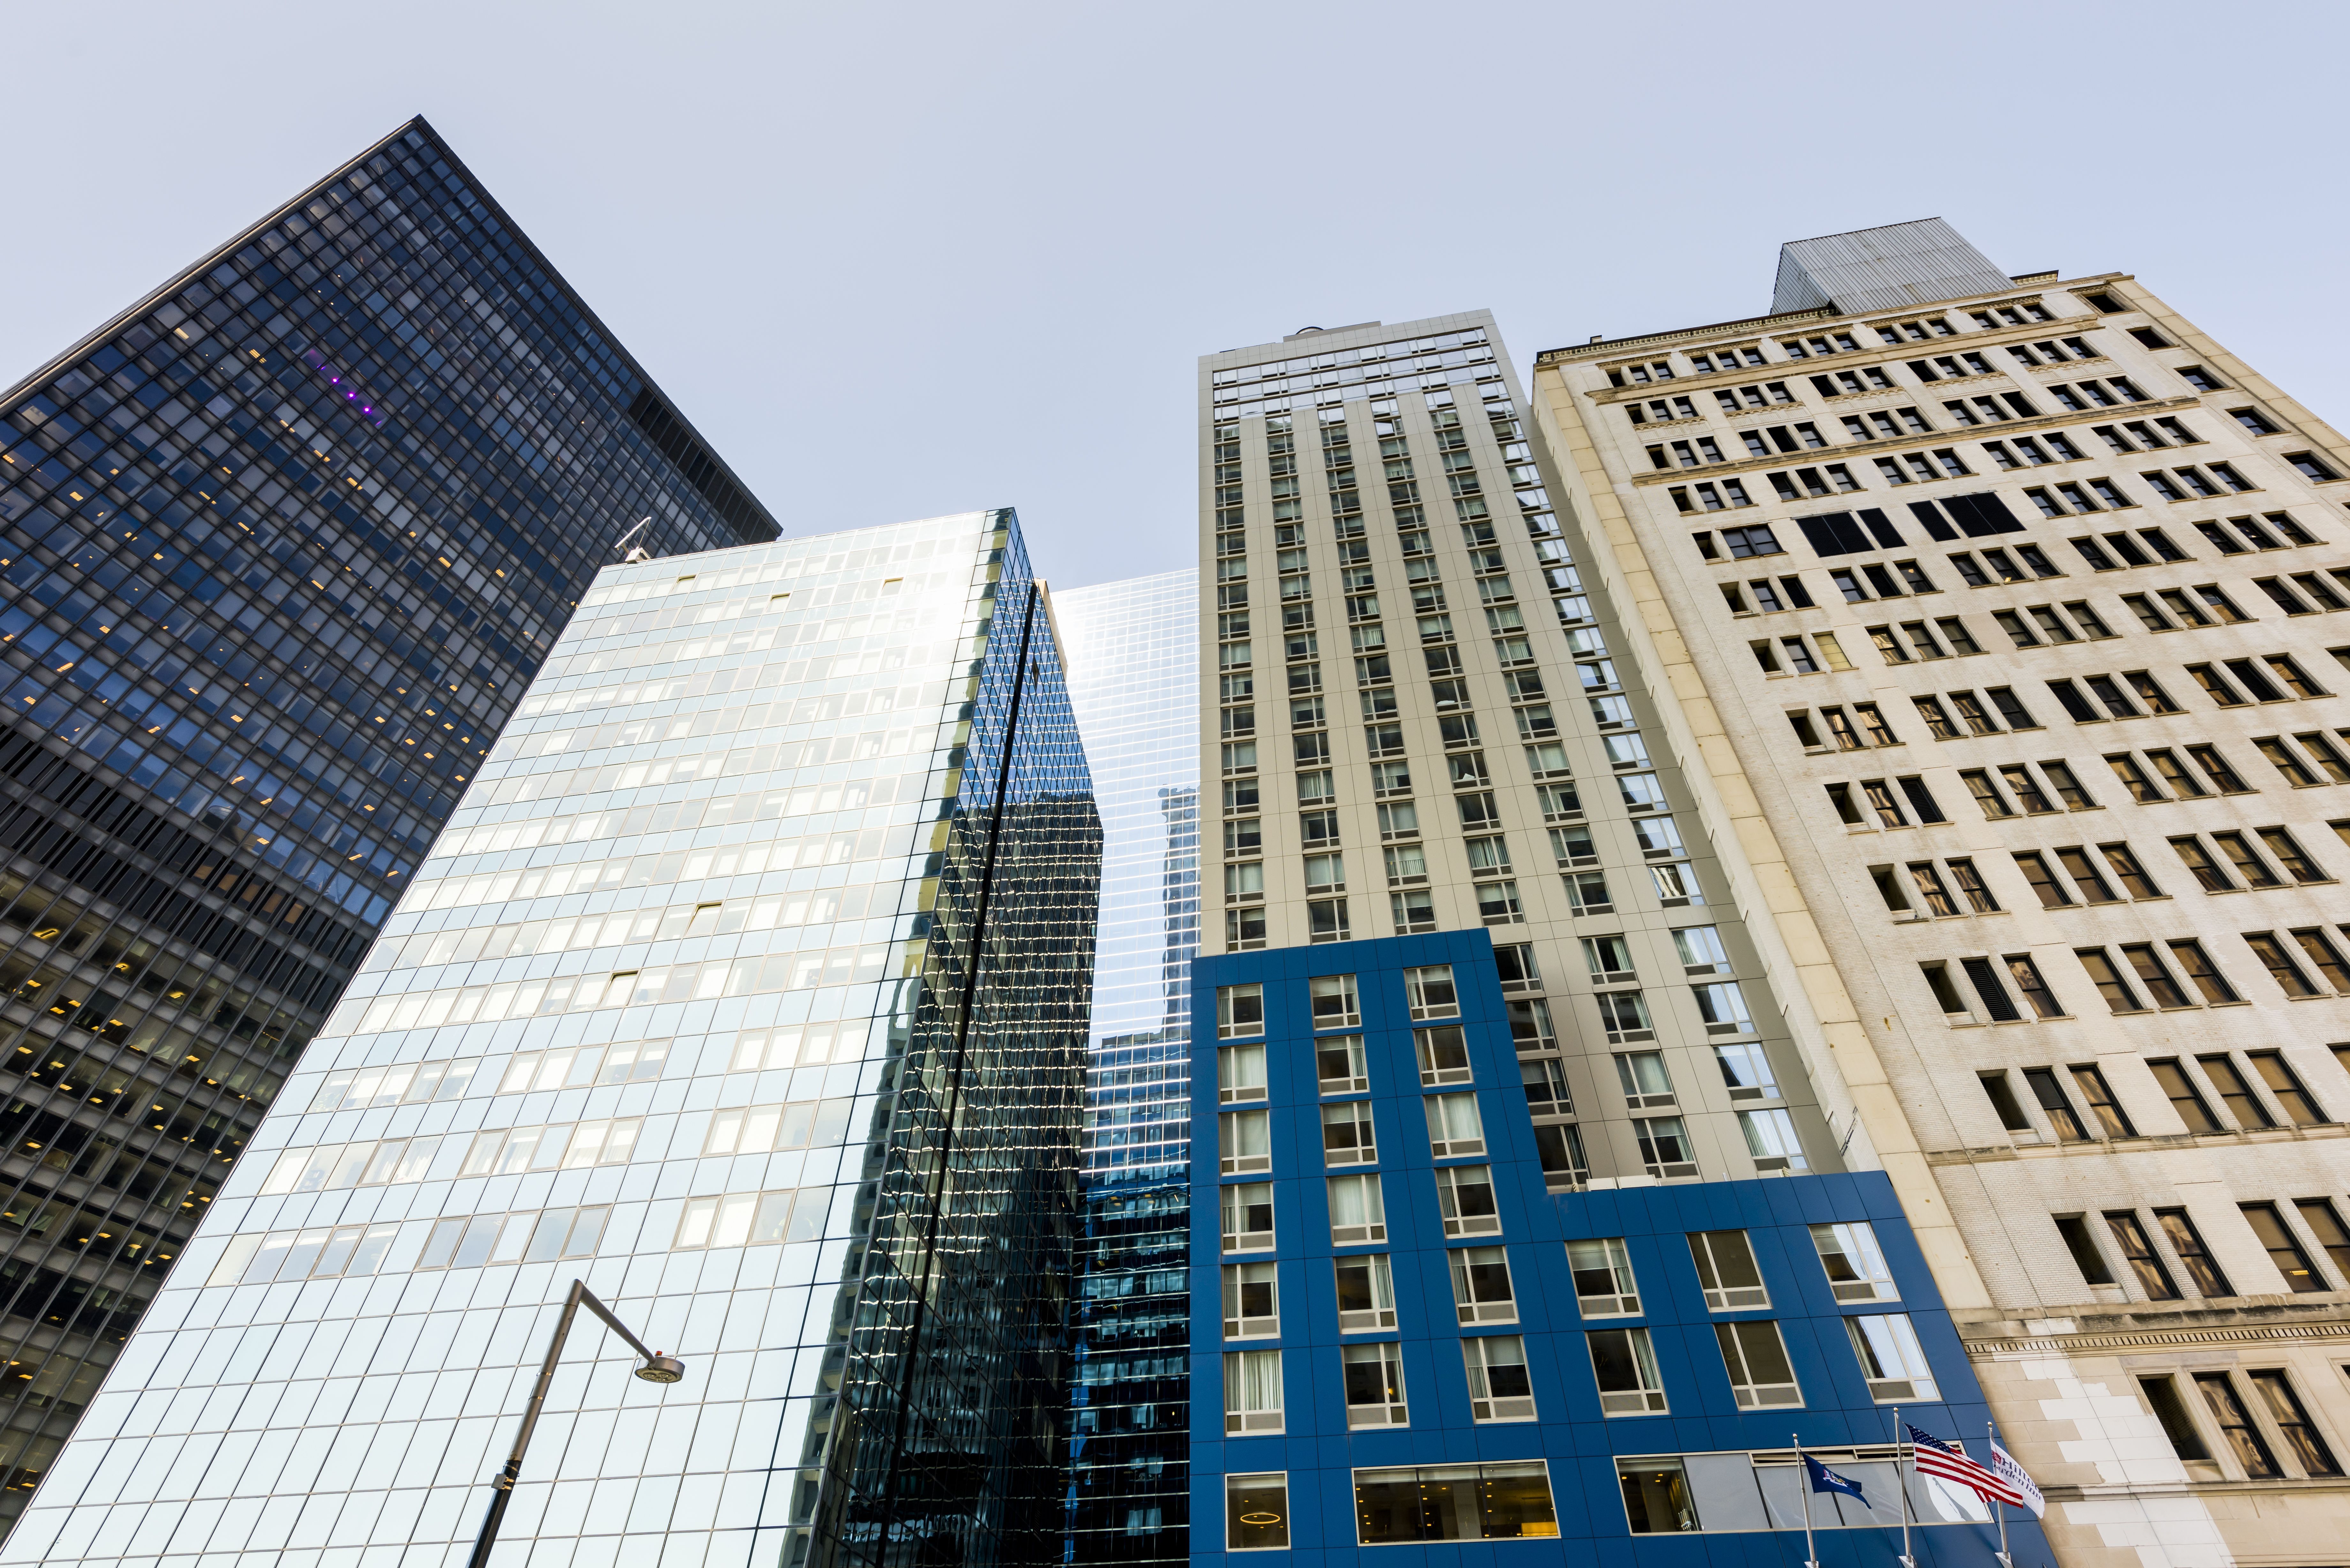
(1406, 1339)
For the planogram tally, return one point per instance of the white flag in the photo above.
(2003, 1465)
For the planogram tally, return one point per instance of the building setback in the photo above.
(1133, 682)
(749, 987)
(280, 547)
(2070, 917)
(1537, 1207)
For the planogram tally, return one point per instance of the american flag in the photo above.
(1932, 1457)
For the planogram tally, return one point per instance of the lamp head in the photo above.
(663, 1368)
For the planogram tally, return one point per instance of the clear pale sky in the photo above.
(906, 260)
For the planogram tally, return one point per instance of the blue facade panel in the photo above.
(1733, 1508)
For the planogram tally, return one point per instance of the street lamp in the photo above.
(660, 1367)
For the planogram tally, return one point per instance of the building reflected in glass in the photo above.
(280, 547)
(1133, 656)
(750, 986)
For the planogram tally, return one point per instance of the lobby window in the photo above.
(1454, 1503)
(1256, 1512)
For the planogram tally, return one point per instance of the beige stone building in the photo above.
(2005, 623)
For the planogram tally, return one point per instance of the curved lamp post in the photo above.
(660, 1367)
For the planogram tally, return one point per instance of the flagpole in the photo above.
(1901, 1484)
(1811, 1557)
(1998, 1510)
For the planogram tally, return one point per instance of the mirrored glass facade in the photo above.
(749, 986)
(1133, 652)
(280, 547)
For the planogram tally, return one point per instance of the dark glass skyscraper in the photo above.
(279, 549)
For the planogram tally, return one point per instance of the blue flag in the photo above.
(1826, 1479)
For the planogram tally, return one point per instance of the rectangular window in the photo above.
(1252, 1392)
(2075, 1231)
(1855, 1264)
(2147, 1266)
(1358, 1213)
(1245, 1142)
(1239, 1011)
(1727, 1270)
(1245, 1212)
(1891, 1360)
(1756, 1359)
(2185, 1099)
(1256, 1512)
(1602, 1271)
(2187, 1242)
(1464, 1197)
(1625, 1364)
(2244, 1440)
(1346, 1135)
(1252, 1300)
(1335, 1002)
(1373, 1377)
(1366, 1283)
(1482, 1289)
(2300, 1433)
(1454, 1503)
(1429, 993)
(2162, 1397)
(2283, 1247)
(1455, 1129)
(1499, 1387)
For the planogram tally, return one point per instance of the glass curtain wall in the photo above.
(749, 986)
(1134, 651)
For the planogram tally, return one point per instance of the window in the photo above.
(1602, 1271)
(2075, 1231)
(1454, 1128)
(2244, 1440)
(1252, 1300)
(1373, 1376)
(2055, 1105)
(2111, 1118)
(1624, 1362)
(1335, 1002)
(2185, 1099)
(1855, 1264)
(1358, 1212)
(1726, 1269)
(1245, 1212)
(1499, 1387)
(2162, 1397)
(2292, 1423)
(1339, 1066)
(1464, 1197)
(1240, 1010)
(2152, 1275)
(2003, 1096)
(1256, 1512)
(1481, 1284)
(1244, 1141)
(1366, 1283)
(1665, 1150)
(2326, 1224)
(1252, 1391)
(2282, 1247)
(1892, 1362)
(1756, 1359)
(2285, 1089)
(1771, 1140)
(1240, 1074)
(1429, 992)
(1454, 1503)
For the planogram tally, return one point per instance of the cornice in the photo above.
(1611, 348)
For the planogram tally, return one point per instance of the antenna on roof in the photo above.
(638, 553)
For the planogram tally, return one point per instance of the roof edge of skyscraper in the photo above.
(1601, 347)
(24, 386)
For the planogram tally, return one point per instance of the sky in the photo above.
(902, 261)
